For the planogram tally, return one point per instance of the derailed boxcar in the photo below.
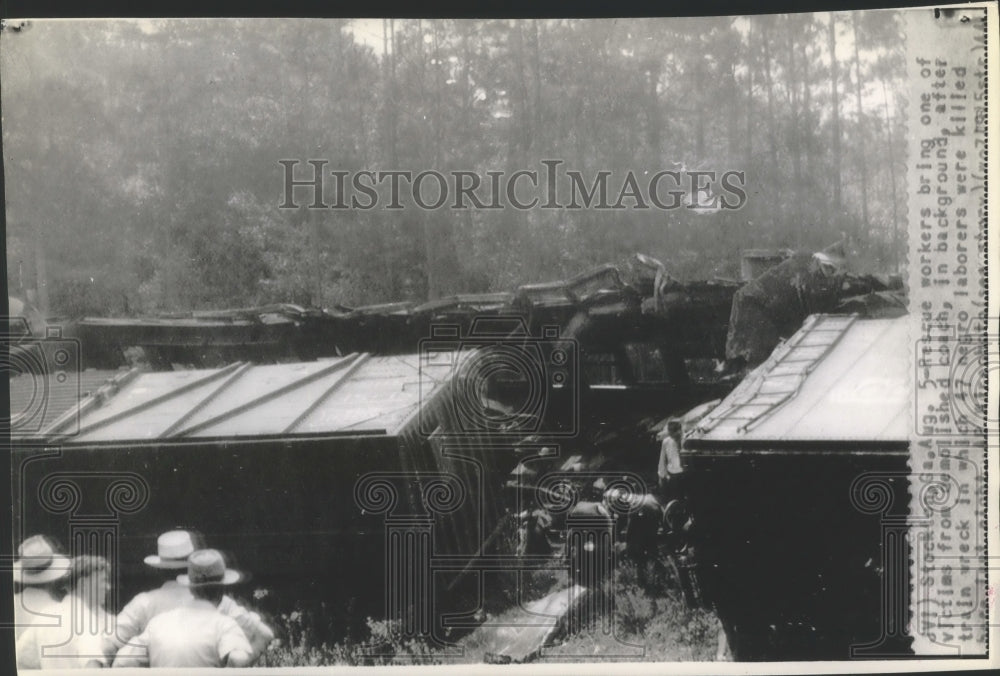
(795, 481)
(294, 469)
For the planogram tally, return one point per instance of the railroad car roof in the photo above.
(356, 394)
(838, 378)
(39, 399)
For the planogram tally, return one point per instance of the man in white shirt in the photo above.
(40, 571)
(197, 633)
(77, 641)
(172, 551)
(669, 468)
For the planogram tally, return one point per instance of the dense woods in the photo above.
(142, 158)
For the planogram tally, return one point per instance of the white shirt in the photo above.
(670, 458)
(34, 606)
(259, 634)
(77, 640)
(193, 635)
(135, 616)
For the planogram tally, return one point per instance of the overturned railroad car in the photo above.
(798, 481)
(304, 473)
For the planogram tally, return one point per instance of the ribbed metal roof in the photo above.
(36, 401)
(358, 393)
(837, 378)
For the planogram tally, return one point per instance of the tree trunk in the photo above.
(520, 118)
(652, 113)
(774, 173)
(41, 274)
(862, 156)
(537, 63)
(749, 111)
(892, 177)
(700, 113)
(835, 102)
(805, 113)
(430, 278)
(795, 137)
(391, 275)
(733, 110)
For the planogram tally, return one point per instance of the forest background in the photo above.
(142, 157)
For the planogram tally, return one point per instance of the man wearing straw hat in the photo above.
(195, 634)
(40, 571)
(172, 551)
(77, 641)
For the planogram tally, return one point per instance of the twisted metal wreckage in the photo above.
(637, 299)
(255, 401)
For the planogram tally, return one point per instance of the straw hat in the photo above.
(208, 567)
(172, 550)
(38, 562)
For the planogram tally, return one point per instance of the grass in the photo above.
(652, 615)
(648, 611)
(385, 643)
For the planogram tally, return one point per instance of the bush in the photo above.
(652, 615)
(650, 621)
(299, 645)
(387, 644)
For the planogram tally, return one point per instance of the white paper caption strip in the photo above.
(946, 54)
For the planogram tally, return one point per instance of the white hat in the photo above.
(172, 550)
(208, 567)
(38, 562)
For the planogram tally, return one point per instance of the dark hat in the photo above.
(207, 567)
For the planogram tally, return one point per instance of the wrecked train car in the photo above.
(810, 448)
(322, 457)
(692, 316)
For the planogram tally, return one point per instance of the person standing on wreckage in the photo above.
(172, 551)
(669, 470)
